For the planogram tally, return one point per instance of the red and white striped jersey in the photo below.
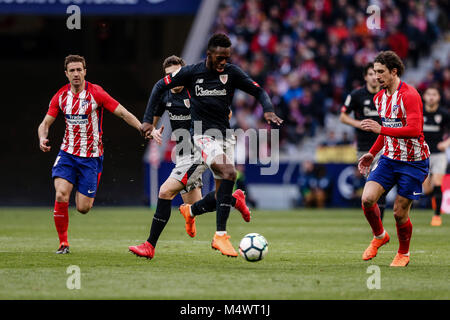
(83, 114)
(402, 124)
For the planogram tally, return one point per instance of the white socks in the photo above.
(381, 236)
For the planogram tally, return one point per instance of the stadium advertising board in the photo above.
(101, 7)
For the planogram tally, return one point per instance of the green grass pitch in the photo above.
(313, 254)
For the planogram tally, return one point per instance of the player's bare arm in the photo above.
(128, 117)
(345, 118)
(43, 132)
(443, 145)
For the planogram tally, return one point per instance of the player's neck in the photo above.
(372, 89)
(431, 107)
(77, 89)
(393, 87)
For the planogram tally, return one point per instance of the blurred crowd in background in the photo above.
(309, 54)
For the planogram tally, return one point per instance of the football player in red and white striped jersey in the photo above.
(405, 159)
(80, 159)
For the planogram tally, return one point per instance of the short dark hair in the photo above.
(367, 67)
(74, 58)
(172, 61)
(219, 40)
(391, 60)
(433, 87)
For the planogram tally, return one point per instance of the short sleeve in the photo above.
(53, 108)
(349, 104)
(105, 100)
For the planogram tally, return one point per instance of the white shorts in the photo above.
(210, 148)
(189, 172)
(438, 163)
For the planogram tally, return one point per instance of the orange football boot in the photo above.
(400, 260)
(372, 249)
(190, 221)
(223, 244)
(436, 221)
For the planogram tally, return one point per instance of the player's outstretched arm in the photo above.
(128, 117)
(345, 118)
(243, 82)
(43, 132)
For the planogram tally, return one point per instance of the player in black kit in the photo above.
(212, 83)
(186, 177)
(360, 102)
(435, 125)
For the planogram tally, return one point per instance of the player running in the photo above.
(212, 84)
(436, 121)
(360, 101)
(405, 160)
(80, 160)
(186, 176)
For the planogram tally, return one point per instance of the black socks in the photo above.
(162, 215)
(437, 194)
(224, 195)
(208, 204)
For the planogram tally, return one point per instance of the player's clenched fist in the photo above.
(43, 145)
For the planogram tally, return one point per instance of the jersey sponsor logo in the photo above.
(392, 123)
(168, 104)
(77, 119)
(367, 102)
(201, 92)
(179, 117)
(431, 128)
(368, 112)
(223, 78)
(199, 81)
(187, 103)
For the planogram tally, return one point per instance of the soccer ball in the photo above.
(253, 247)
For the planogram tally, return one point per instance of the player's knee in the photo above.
(368, 201)
(166, 193)
(84, 208)
(229, 173)
(62, 196)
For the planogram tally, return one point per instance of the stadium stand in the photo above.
(309, 54)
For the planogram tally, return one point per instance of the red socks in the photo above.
(404, 233)
(61, 216)
(373, 217)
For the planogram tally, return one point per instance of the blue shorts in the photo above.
(80, 171)
(408, 176)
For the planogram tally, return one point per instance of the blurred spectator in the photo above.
(314, 185)
(357, 182)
